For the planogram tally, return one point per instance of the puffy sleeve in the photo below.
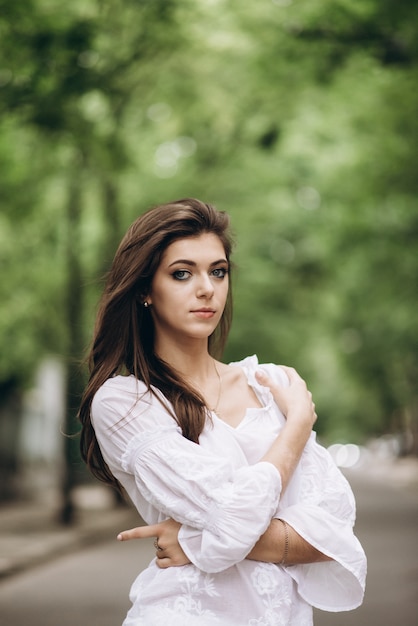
(320, 506)
(325, 517)
(224, 509)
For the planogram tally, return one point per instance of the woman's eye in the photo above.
(181, 274)
(220, 272)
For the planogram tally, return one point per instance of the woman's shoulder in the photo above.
(120, 392)
(251, 364)
(124, 408)
(121, 384)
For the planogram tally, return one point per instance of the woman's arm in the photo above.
(223, 509)
(279, 540)
(277, 544)
(295, 402)
(282, 544)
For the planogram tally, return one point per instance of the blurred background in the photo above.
(298, 117)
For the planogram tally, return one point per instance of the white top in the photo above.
(224, 497)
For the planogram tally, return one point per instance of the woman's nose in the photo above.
(205, 287)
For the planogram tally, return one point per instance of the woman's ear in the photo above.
(144, 300)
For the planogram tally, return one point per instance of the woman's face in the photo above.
(189, 289)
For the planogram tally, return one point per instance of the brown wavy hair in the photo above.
(123, 339)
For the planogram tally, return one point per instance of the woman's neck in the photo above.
(192, 362)
(197, 368)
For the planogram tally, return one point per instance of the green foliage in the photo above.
(299, 118)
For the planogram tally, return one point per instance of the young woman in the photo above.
(254, 523)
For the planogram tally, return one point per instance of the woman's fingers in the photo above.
(265, 380)
(291, 372)
(294, 400)
(168, 550)
(140, 532)
(165, 559)
(277, 392)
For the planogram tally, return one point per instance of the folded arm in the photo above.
(277, 543)
(282, 544)
(295, 402)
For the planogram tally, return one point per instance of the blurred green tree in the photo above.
(299, 118)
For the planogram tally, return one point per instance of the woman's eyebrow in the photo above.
(183, 262)
(193, 263)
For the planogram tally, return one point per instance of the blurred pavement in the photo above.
(30, 532)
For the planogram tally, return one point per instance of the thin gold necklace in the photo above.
(215, 410)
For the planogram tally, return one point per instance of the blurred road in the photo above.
(90, 587)
(387, 526)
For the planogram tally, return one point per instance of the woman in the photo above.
(219, 459)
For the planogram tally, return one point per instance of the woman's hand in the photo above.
(294, 401)
(168, 550)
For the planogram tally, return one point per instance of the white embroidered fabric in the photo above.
(224, 498)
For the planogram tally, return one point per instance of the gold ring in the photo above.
(156, 546)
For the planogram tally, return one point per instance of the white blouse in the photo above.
(224, 497)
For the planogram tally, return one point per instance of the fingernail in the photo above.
(119, 537)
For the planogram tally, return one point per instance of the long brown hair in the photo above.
(123, 339)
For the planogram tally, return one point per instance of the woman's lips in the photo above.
(204, 313)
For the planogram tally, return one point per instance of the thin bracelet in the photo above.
(286, 543)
